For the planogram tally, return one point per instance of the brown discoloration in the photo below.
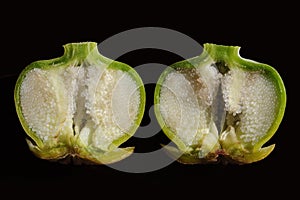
(196, 82)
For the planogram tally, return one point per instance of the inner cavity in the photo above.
(192, 99)
(98, 104)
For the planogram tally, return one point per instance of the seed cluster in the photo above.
(40, 109)
(259, 107)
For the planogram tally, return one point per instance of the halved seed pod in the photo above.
(219, 106)
(81, 105)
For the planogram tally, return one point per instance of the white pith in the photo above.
(98, 104)
(188, 111)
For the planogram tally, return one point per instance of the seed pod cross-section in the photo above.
(219, 106)
(82, 105)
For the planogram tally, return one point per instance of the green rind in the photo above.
(49, 153)
(99, 156)
(254, 156)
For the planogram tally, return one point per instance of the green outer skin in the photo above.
(230, 56)
(76, 54)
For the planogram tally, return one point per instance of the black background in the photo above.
(37, 32)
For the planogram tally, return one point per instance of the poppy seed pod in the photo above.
(219, 106)
(80, 105)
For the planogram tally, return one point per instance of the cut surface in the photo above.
(202, 101)
(251, 97)
(98, 104)
(181, 109)
(185, 102)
